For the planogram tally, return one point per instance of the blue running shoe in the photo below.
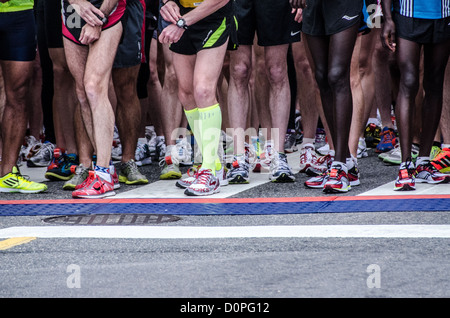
(388, 140)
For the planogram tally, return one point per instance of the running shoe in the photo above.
(142, 154)
(15, 182)
(308, 157)
(193, 173)
(388, 140)
(321, 137)
(170, 164)
(353, 176)
(427, 173)
(338, 181)
(395, 156)
(129, 173)
(30, 146)
(43, 156)
(160, 148)
(280, 170)
(290, 141)
(239, 171)
(59, 169)
(319, 181)
(362, 149)
(372, 135)
(405, 180)
(435, 151)
(116, 151)
(80, 173)
(442, 161)
(206, 183)
(184, 151)
(94, 187)
(321, 165)
(265, 158)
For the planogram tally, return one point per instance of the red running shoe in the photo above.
(94, 187)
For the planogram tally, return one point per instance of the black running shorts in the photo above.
(272, 20)
(17, 36)
(130, 51)
(325, 17)
(210, 32)
(52, 23)
(423, 31)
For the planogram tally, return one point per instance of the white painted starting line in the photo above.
(197, 232)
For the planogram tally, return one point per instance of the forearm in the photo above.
(387, 5)
(107, 6)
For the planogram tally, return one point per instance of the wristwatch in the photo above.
(181, 23)
(104, 20)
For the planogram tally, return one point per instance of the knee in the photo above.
(240, 72)
(409, 83)
(276, 73)
(338, 78)
(93, 87)
(204, 93)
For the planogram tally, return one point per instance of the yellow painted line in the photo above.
(4, 245)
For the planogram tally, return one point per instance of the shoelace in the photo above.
(388, 135)
(203, 176)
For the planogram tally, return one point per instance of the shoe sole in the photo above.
(56, 177)
(170, 176)
(97, 196)
(405, 187)
(7, 190)
(238, 180)
(330, 189)
(283, 178)
(194, 194)
(125, 180)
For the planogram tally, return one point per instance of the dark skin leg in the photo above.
(408, 57)
(435, 60)
(332, 58)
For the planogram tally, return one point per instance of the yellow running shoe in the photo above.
(15, 182)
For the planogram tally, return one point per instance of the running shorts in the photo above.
(131, 50)
(273, 22)
(52, 23)
(210, 32)
(423, 31)
(73, 23)
(324, 17)
(18, 36)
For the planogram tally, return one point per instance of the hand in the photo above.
(298, 15)
(88, 12)
(298, 4)
(170, 12)
(90, 34)
(388, 35)
(171, 34)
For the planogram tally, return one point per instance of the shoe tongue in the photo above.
(15, 170)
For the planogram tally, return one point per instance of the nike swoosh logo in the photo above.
(346, 17)
(98, 188)
(295, 33)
